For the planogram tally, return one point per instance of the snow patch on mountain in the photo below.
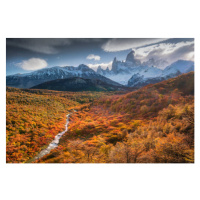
(40, 76)
(122, 71)
(173, 70)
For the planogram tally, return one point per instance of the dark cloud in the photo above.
(182, 53)
(169, 41)
(121, 44)
(48, 45)
(40, 45)
(169, 51)
(75, 51)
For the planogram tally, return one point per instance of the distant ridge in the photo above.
(79, 84)
(29, 80)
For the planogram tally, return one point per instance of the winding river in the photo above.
(54, 143)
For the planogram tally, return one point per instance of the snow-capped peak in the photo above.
(182, 65)
(121, 71)
(130, 59)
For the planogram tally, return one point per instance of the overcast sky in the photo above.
(29, 54)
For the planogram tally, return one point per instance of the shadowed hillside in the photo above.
(79, 84)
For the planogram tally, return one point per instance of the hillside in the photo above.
(34, 117)
(153, 97)
(79, 84)
(154, 124)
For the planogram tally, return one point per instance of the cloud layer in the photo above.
(169, 52)
(103, 65)
(120, 44)
(93, 57)
(40, 45)
(48, 45)
(33, 64)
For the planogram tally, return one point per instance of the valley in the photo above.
(153, 124)
(34, 117)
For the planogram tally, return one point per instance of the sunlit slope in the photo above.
(149, 100)
(32, 120)
(154, 124)
(34, 117)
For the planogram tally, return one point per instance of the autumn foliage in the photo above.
(34, 117)
(154, 124)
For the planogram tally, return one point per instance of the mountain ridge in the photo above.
(75, 84)
(31, 79)
(125, 72)
(131, 72)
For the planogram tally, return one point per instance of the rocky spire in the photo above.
(114, 65)
(107, 69)
(130, 59)
(99, 69)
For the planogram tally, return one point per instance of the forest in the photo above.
(154, 124)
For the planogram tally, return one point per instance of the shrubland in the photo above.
(154, 124)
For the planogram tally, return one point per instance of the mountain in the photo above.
(183, 66)
(29, 80)
(79, 84)
(151, 95)
(122, 71)
(130, 59)
(102, 71)
(139, 81)
(131, 72)
(160, 63)
(179, 67)
(134, 73)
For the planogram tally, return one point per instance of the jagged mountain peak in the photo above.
(115, 59)
(84, 67)
(131, 60)
(151, 71)
(130, 57)
(159, 63)
(107, 69)
(48, 74)
(100, 70)
(183, 66)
